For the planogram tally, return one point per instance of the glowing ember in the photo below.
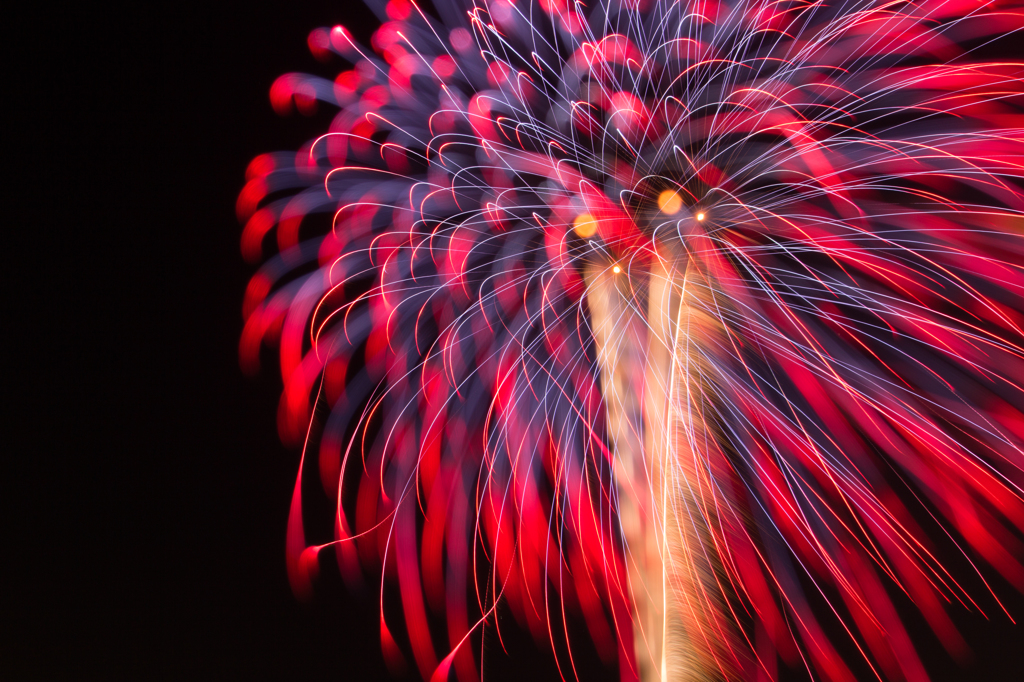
(669, 202)
(585, 225)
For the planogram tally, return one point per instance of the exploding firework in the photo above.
(697, 322)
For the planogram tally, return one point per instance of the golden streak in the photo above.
(647, 329)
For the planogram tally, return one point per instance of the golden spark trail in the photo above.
(654, 382)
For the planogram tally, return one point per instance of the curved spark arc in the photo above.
(822, 313)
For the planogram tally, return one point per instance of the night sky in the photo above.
(146, 492)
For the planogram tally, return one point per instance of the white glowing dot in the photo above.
(616, 269)
(700, 216)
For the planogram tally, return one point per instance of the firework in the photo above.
(699, 321)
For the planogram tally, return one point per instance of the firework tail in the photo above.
(656, 394)
(623, 341)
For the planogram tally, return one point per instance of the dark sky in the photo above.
(146, 492)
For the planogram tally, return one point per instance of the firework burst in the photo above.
(695, 319)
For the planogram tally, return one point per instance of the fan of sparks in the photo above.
(691, 328)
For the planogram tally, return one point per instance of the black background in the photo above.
(145, 490)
